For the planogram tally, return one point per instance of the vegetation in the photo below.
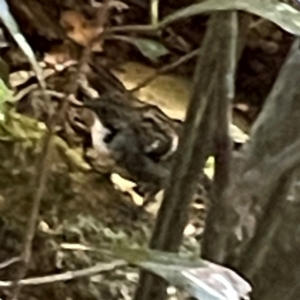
(85, 155)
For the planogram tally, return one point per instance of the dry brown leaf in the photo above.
(126, 186)
(59, 57)
(81, 30)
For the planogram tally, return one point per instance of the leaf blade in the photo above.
(279, 13)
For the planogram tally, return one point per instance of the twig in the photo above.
(9, 262)
(21, 94)
(45, 158)
(165, 69)
(154, 12)
(98, 268)
(24, 92)
(42, 177)
(43, 168)
(102, 17)
(131, 28)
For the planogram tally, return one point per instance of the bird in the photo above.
(137, 139)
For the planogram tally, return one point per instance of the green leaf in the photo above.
(16, 127)
(279, 13)
(149, 48)
(200, 278)
(5, 95)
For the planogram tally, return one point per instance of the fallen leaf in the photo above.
(59, 57)
(81, 30)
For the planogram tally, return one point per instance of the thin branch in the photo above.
(165, 69)
(43, 170)
(154, 12)
(44, 162)
(87, 272)
(131, 28)
(102, 16)
(9, 262)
